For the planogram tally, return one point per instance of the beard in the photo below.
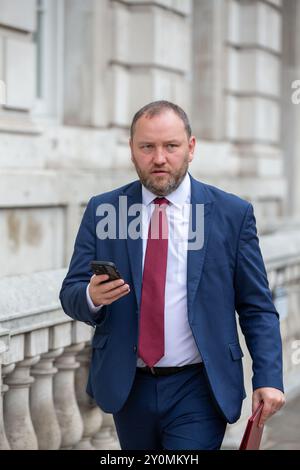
(162, 185)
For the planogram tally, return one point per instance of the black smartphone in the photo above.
(106, 267)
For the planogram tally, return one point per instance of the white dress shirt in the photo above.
(180, 346)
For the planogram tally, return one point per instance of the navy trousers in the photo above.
(174, 412)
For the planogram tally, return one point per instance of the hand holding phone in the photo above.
(104, 290)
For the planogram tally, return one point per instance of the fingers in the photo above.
(266, 413)
(115, 297)
(269, 409)
(104, 293)
(108, 286)
(124, 288)
(255, 402)
(273, 400)
(98, 279)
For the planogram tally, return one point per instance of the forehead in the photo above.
(167, 125)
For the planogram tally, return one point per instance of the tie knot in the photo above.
(161, 200)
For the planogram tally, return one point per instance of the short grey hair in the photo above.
(157, 107)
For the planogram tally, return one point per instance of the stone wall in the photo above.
(221, 60)
(237, 84)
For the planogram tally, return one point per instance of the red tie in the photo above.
(152, 331)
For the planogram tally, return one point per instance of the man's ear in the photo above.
(130, 145)
(192, 144)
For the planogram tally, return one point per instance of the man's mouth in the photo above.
(159, 172)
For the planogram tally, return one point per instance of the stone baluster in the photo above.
(43, 413)
(90, 413)
(65, 402)
(18, 425)
(106, 438)
(4, 445)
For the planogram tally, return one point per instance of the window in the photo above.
(48, 38)
(2, 93)
(39, 39)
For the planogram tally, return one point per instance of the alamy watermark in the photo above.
(296, 94)
(296, 352)
(131, 221)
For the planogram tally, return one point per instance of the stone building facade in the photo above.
(72, 74)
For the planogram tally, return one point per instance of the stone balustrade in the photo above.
(44, 358)
(44, 361)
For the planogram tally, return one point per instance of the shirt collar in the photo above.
(179, 196)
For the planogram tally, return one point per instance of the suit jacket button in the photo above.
(135, 348)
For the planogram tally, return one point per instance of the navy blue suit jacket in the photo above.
(226, 276)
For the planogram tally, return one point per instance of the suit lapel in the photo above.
(196, 257)
(135, 247)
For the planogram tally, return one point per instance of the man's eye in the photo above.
(147, 146)
(172, 146)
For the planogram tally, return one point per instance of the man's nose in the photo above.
(159, 156)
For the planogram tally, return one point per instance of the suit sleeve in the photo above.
(258, 317)
(73, 291)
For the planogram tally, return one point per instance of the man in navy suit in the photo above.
(166, 359)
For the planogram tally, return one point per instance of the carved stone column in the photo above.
(106, 438)
(65, 402)
(18, 425)
(90, 413)
(43, 413)
(4, 445)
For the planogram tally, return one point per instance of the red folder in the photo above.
(253, 434)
